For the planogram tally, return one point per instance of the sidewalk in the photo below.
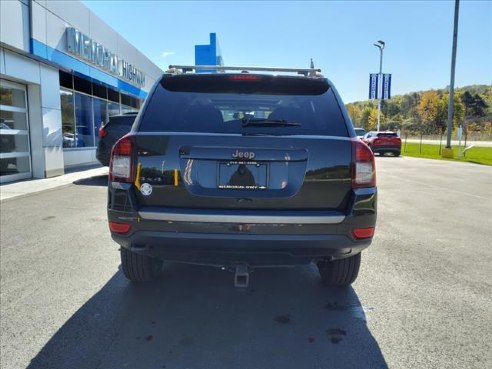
(21, 188)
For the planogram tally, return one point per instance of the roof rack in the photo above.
(308, 72)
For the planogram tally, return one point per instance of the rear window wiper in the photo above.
(263, 122)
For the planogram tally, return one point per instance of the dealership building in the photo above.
(63, 71)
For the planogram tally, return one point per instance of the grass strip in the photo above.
(477, 154)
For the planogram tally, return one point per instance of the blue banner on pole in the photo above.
(386, 93)
(373, 86)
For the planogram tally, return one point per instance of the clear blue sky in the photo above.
(338, 35)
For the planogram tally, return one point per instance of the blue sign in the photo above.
(379, 86)
(386, 93)
(373, 86)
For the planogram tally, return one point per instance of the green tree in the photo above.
(459, 110)
(479, 106)
(475, 105)
(467, 100)
(409, 104)
(391, 108)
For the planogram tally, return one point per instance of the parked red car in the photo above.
(383, 142)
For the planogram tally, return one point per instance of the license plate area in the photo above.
(242, 175)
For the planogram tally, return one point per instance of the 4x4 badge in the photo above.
(146, 189)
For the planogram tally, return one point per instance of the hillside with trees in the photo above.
(426, 112)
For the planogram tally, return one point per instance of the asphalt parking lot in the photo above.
(422, 299)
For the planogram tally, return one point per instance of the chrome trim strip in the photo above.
(242, 219)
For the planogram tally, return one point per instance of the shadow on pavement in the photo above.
(193, 317)
(101, 180)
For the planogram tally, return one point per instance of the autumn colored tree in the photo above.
(432, 112)
(426, 112)
(369, 118)
(365, 118)
(355, 114)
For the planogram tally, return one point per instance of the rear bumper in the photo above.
(231, 249)
(258, 238)
(386, 148)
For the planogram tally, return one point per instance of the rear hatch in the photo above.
(243, 142)
(387, 139)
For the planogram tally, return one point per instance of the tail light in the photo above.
(102, 132)
(361, 233)
(121, 228)
(244, 77)
(121, 167)
(363, 168)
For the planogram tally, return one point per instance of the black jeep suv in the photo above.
(242, 170)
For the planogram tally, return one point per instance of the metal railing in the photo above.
(434, 144)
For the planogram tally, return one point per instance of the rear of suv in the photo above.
(116, 127)
(242, 170)
(382, 142)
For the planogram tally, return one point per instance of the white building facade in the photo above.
(63, 72)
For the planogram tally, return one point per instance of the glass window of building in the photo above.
(86, 107)
(113, 95)
(68, 118)
(127, 109)
(126, 100)
(82, 85)
(99, 91)
(84, 131)
(66, 80)
(15, 159)
(113, 109)
(100, 115)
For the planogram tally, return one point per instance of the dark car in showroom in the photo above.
(242, 170)
(383, 142)
(116, 127)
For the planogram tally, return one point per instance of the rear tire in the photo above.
(396, 153)
(342, 272)
(139, 268)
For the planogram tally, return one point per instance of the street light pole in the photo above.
(453, 67)
(380, 44)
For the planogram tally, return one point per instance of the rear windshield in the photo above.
(244, 104)
(387, 134)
